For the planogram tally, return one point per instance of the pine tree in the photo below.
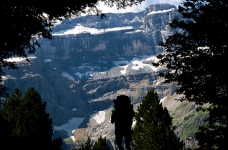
(5, 132)
(31, 127)
(101, 144)
(86, 146)
(11, 112)
(153, 129)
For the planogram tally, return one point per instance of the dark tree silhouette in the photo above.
(85, 146)
(30, 125)
(101, 144)
(196, 59)
(153, 129)
(5, 132)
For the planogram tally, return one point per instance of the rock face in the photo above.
(116, 35)
(89, 61)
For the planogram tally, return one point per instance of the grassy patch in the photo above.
(68, 140)
(187, 120)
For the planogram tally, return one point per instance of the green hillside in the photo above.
(187, 120)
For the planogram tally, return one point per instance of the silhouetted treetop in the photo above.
(196, 55)
(196, 58)
(30, 126)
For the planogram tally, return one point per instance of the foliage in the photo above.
(153, 129)
(30, 125)
(215, 130)
(5, 137)
(187, 120)
(196, 59)
(197, 54)
(68, 140)
(100, 144)
(86, 146)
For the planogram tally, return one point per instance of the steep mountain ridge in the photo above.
(115, 35)
(115, 20)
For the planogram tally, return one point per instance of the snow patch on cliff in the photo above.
(18, 59)
(163, 99)
(47, 60)
(161, 11)
(79, 74)
(67, 76)
(72, 137)
(124, 69)
(100, 117)
(74, 109)
(87, 74)
(72, 124)
(137, 64)
(79, 29)
(136, 31)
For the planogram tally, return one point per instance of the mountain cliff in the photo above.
(89, 57)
